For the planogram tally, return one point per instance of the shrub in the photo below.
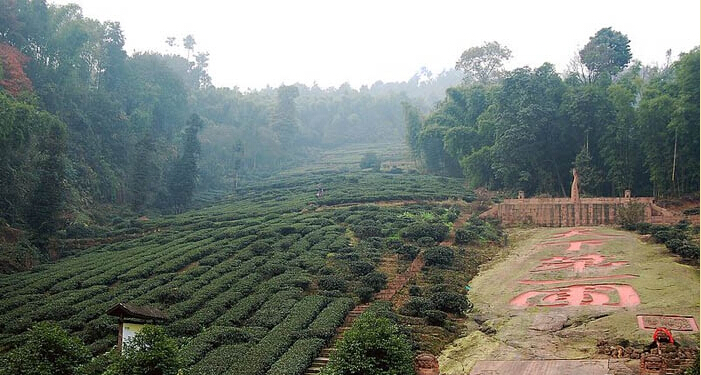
(375, 280)
(370, 160)
(374, 345)
(365, 293)
(409, 252)
(466, 236)
(416, 230)
(361, 267)
(297, 358)
(417, 306)
(150, 351)
(435, 317)
(414, 290)
(691, 211)
(48, 350)
(325, 324)
(367, 228)
(644, 228)
(393, 243)
(332, 283)
(630, 214)
(426, 241)
(213, 337)
(440, 256)
(449, 302)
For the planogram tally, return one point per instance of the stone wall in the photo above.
(565, 212)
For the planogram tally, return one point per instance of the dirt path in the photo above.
(558, 292)
(459, 222)
(396, 283)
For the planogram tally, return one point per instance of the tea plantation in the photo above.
(254, 284)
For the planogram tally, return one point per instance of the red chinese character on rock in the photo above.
(580, 295)
(577, 263)
(572, 233)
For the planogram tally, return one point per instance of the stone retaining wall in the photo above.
(565, 212)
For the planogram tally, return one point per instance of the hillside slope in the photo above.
(263, 277)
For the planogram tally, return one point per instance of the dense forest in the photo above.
(622, 125)
(84, 124)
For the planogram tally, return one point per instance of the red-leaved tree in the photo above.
(12, 77)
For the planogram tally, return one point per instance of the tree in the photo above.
(48, 197)
(145, 176)
(619, 144)
(12, 76)
(483, 64)
(527, 153)
(189, 44)
(606, 54)
(150, 352)
(48, 350)
(374, 345)
(370, 160)
(685, 123)
(590, 178)
(412, 121)
(284, 122)
(114, 63)
(183, 178)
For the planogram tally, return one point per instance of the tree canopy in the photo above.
(623, 126)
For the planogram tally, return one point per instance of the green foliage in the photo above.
(373, 345)
(449, 302)
(324, 326)
(417, 306)
(620, 128)
(607, 53)
(477, 231)
(407, 251)
(630, 215)
(365, 293)
(375, 280)
(361, 268)
(297, 358)
(48, 350)
(150, 351)
(436, 231)
(181, 185)
(483, 64)
(679, 239)
(370, 161)
(590, 178)
(332, 283)
(435, 317)
(439, 256)
(225, 298)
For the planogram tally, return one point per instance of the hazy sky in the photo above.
(269, 42)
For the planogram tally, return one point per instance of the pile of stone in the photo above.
(664, 360)
(618, 351)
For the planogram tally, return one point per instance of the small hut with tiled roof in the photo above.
(132, 318)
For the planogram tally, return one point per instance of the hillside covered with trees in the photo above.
(84, 125)
(622, 125)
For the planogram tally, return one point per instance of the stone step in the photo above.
(320, 362)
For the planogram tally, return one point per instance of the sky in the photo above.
(255, 43)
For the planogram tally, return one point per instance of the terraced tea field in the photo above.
(255, 284)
